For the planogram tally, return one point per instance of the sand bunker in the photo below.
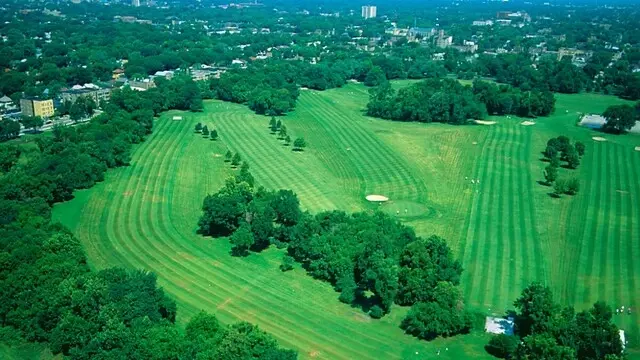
(527, 123)
(637, 148)
(377, 198)
(304, 88)
(483, 122)
(177, 118)
(598, 138)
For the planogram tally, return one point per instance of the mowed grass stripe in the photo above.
(202, 275)
(518, 192)
(632, 248)
(319, 115)
(497, 236)
(523, 222)
(152, 225)
(147, 228)
(586, 265)
(516, 158)
(479, 251)
(292, 171)
(468, 230)
(578, 232)
(169, 289)
(529, 222)
(285, 176)
(150, 245)
(334, 156)
(514, 267)
(363, 170)
(244, 138)
(100, 207)
(606, 188)
(384, 171)
(471, 271)
(613, 284)
(158, 235)
(162, 212)
(122, 193)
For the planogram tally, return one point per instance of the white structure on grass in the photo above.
(496, 325)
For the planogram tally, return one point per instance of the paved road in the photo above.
(47, 127)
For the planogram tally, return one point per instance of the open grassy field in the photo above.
(505, 228)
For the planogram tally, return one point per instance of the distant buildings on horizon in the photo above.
(369, 11)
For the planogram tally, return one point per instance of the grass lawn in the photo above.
(505, 228)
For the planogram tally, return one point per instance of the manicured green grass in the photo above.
(505, 229)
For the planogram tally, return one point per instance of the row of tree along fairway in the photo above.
(477, 186)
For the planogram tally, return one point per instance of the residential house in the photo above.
(117, 74)
(7, 105)
(168, 74)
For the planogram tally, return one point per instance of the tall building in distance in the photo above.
(135, 3)
(369, 11)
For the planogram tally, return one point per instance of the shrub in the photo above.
(376, 312)
(287, 263)
(502, 346)
(572, 186)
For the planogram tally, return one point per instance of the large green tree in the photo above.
(619, 118)
(536, 310)
(242, 240)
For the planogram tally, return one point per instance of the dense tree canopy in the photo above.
(49, 293)
(447, 101)
(371, 259)
(619, 118)
(551, 332)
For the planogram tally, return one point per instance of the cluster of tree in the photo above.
(277, 127)
(49, 293)
(83, 107)
(561, 149)
(9, 129)
(431, 100)
(268, 90)
(448, 101)
(204, 130)
(620, 118)
(31, 122)
(507, 100)
(547, 74)
(235, 160)
(371, 259)
(545, 330)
